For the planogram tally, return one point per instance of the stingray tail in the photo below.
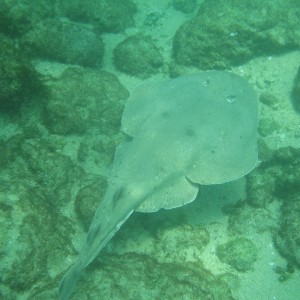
(68, 283)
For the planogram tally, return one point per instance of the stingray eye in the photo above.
(231, 98)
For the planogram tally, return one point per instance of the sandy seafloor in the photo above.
(273, 74)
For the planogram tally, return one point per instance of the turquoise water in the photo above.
(67, 70)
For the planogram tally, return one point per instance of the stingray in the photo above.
(198, 129)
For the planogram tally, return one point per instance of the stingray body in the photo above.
(191, 130)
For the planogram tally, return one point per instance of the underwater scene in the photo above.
(150, 149)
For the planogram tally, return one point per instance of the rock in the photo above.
(287, 237)
(88, 199)
(181, 243)
(143, 277)
(18, 17)
(248, 218)
(239, 253)
(4, 154)
(34, 185)
(40, 235)
(260, 187)
(18, 78)
(85, 99)
(276, 179)
(186, 6)
(137, 55)
(53, 172)
(241, 32)
(6, 23)
(265, 152)
(296, 91)
(266, 126)
(269, 99)
(108, 16)
(65, 42)
(288, 176)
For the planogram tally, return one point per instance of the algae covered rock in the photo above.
(65, 42)
(260, 185)
(276, 179)
(109, 16)
(6, 25)
(41, 234)
(137, 55)
(228, 33)
(181, 243)
(36, 182)
(19, 16)
(269, 99)
(18, 78)
(143, 277)
(239, 253)
(296, 91)
(4, 154)
(267, 126)
(287, 237)
(85, 99)
(55, 173)
(87, 200)
(186, 6)
(288, 172)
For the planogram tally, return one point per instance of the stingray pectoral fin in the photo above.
(174, 191)
(68, 283)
